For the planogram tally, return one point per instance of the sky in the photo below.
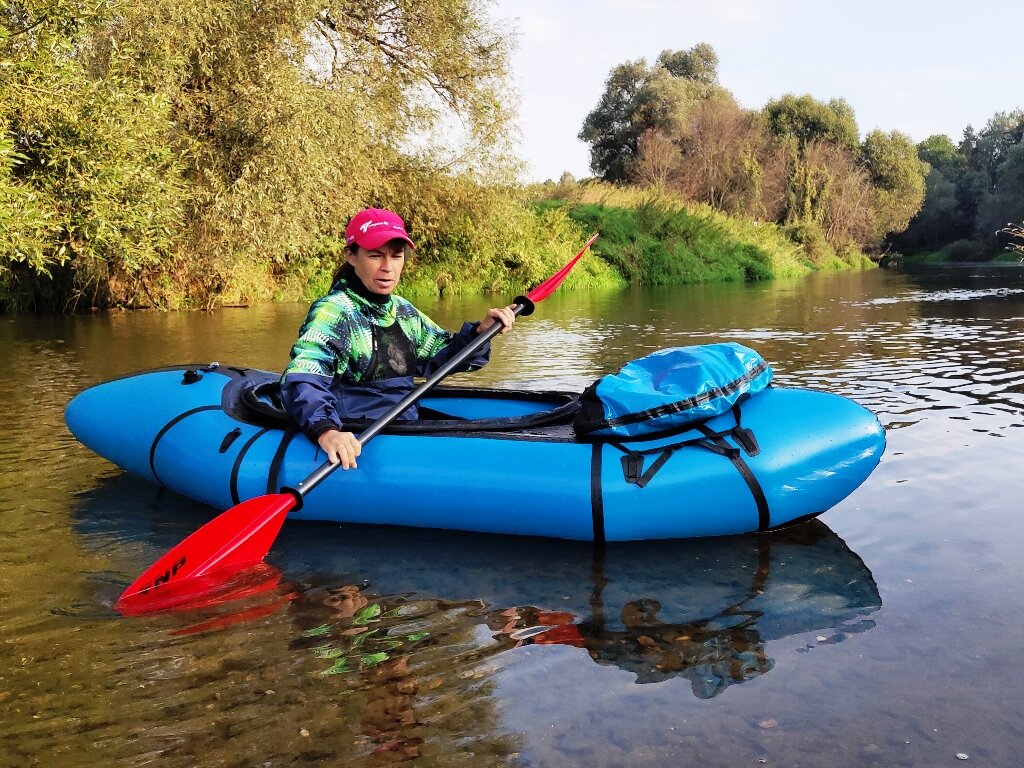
(917, 67)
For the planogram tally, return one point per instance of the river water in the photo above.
(885, 633)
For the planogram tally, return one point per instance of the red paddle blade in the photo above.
(549, 286)
(221, 587)
(241, 536)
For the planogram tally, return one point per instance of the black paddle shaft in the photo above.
(521, 306)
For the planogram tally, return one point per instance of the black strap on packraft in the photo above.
(274, 472)
(633, 461)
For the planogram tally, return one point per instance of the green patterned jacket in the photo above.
(334, 371)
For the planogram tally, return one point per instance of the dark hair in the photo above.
(345, 271)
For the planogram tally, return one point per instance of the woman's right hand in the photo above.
(340, 447)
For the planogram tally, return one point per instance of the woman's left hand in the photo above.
(503, 315)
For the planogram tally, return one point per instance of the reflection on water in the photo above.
(404, 634)
(366, 646)
(367, 597)
(950, 295)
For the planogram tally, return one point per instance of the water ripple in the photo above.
(381, 647)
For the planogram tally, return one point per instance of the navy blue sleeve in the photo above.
(311, 404)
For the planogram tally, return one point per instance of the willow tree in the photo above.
(806, 119)
(89, 184)
(612, 128)
(820, 142)
(253, 129)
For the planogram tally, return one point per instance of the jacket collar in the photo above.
(370, 302)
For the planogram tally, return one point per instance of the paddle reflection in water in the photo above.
(226, 597)
(390, 644)
(702, 609)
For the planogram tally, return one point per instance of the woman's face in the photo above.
(380, 268)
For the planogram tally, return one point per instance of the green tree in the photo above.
(639, 98)
(973, 188)
(1005, 201)
(699, 64)
(806, 119)
(897, 175)
(194, 151)
(998, 158)
(821, 143)
(1003, 131)
(666, 103)
(942, 154)
(611, 128)
(942, 218)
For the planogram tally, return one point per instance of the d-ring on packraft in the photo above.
(686, 442)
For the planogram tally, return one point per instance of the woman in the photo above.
(360, 346)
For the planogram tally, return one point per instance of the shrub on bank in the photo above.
(655, 242)
(502, 247)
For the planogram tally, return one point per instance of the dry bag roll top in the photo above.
(670, 389)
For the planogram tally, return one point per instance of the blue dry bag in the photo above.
(670, 389)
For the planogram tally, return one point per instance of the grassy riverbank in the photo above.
(645, 239)
(493, 241)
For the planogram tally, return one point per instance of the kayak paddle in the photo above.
(243, 535)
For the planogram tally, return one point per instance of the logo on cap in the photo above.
(364, 228)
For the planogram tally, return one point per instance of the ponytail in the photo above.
(344, 271)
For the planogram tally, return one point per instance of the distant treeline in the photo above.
(974, 191)
(174, 154)
(799, 162)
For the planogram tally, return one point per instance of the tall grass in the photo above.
(657, 243)
(662, 239)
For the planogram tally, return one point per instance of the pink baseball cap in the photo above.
(372, 227)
